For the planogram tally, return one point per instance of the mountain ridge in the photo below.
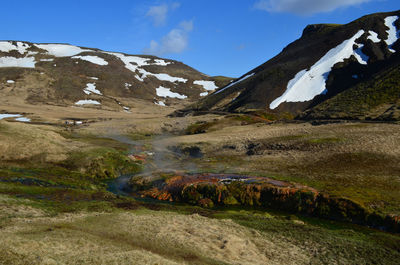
(60, 74)
(357, 45)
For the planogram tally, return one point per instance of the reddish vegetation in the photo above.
(207, 190)
(137, 158)
(157, 194)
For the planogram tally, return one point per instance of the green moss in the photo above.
(111, 165)
(230, 200)
(103, 163)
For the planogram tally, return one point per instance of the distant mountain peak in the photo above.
(66, 72)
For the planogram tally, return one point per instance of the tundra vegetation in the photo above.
(60, 201)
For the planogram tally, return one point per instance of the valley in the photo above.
(56, 192)
(111, 158)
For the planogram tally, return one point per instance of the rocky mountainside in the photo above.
(66, 75)
(328, 72)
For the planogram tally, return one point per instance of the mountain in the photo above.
(325, 72)
(63, 74)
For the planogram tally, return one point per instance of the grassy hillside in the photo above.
(376, 98)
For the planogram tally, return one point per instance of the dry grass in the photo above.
(140, 237)
(21, 141)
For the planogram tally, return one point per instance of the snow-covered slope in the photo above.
(393, 32)
(309, 83)
(86, 76)
(326, 60)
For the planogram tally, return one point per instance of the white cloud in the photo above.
(304, 7)
(159, 13)
(187, 25)
(176, 41)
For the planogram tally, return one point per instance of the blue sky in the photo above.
(216, 37)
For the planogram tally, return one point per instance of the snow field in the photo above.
(93, 59)
(309, 83)
(207, 85)
(166, 92)
(393, 34)
(87, 102)
(91, 88)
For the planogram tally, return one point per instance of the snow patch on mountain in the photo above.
(393, 34)
(7, 46)
(361, 57)
(309, 83)
(373, 36)
(167, 77)
(236, 82)
(93, 59)
(207, 85)
(26, 62)
(61, 50)
(132, 63)
(160, 103)
(139, 78)
(166, 92)
(87, 102)
(91, 88)
(23, 119)
(6, 115)
(18, 117)
(203, 94)
(161, 62)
